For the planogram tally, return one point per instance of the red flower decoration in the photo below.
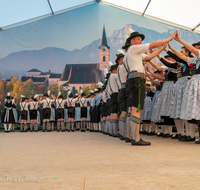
(178, 65)
(191, 65)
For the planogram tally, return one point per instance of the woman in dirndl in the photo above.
(159, 84)
(183, 75)
(147, 106)
(8, 115)
(190, 107)
(161, 109)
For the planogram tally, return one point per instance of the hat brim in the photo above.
(141, 35)
(125, 46)
(116, 61)
(195, 44)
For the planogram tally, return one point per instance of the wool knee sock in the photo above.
(128, 127)
(35, 127)
(135, 126)
(31, 126)
(52, 126)
(62, 125)
(58, 125)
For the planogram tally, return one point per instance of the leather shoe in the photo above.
(140, 143)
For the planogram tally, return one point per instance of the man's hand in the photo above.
(173, 35)
(177, 37)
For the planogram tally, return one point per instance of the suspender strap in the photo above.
(70, 103)
(59, 104)
(48, 104)
(82, 103)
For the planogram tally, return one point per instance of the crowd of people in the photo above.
(132, 101)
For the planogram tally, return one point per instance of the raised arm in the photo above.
(151, 79)
(188, 46)
(155, 53)
(162, 42)
(179, 54)
(156, 66)
(157, 76)
(167, 63)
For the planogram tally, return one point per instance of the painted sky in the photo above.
(73, 29)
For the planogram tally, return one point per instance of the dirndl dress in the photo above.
(165, 99)
(65, 115)
(77, 114)
(177, 97)
(88, 113)
(190, 107)
(15, 114)
(53, 115)
(147, 106)
(8, 115)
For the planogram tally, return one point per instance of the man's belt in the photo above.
(135, 74)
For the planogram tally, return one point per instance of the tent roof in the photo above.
(172, 12)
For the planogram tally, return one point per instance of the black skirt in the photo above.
(8, 116)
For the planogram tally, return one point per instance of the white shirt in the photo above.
(47, 102)
(135, 58)
(192, 60)
(71, 102)
(91, 102)
(60, 103)
(122, 75)
(33, 105)
(83, 102)
(112, 84)
(24, 106)
(104, 98)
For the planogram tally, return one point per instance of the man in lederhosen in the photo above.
(24, 103)
(71, 101)
(113, 92)
(46, 110)
(122, 99)
(60, 103)
(135, 85)
(33, 102)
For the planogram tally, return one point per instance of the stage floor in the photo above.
(93, 161)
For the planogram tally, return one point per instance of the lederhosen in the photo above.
(24, 113)
(33, 112)
(122, 95)
(59, 111)
(114, 100)
(83, 109)
(71, 110)
(47, 111)
(135, 88)
(8, 115)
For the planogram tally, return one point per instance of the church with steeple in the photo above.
(76, 75)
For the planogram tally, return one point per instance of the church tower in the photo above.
(104, 52)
